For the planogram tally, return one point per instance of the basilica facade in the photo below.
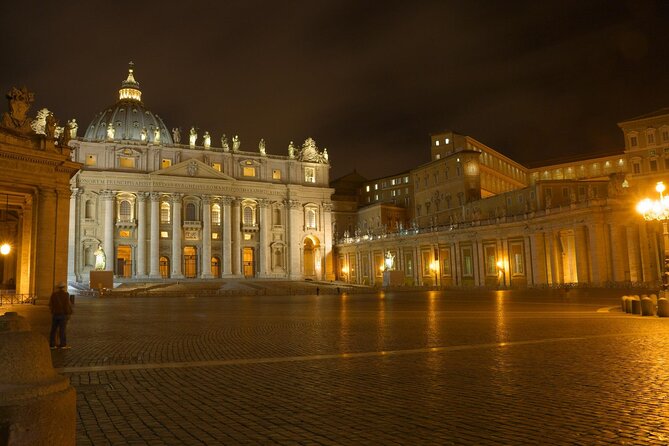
(149, 207)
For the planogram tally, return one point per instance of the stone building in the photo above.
(478, 218)
(160, 209)
(34, 198)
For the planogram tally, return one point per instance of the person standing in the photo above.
(61, 309)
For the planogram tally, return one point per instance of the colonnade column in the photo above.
(327, 235)
(598, 253)
(227, 242)
(263, 236)
(236, 237)
(539, 267)
(581, 248)
(72, 235)
(632, 239)
(154, 255)
(206, 237)
(108, 241)
(176, 236)
(618, 256)
(141, 235)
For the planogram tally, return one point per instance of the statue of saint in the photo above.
(176, 135)
(72, 127)
(193, 137)
(291, 150)
(143, 134)
(326, 157)
(207, 140)
(390, 261)
(261, 147)
(224, 143)
(100, 259)
(156, 135)
(20, 101)
(236, 143)
(110, 131)
(50, 126)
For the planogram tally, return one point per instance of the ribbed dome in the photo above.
(129, 118)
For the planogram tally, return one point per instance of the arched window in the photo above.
(215, 267)
(190, 212)
(89, 257)
(311, 219)
(164, 267)
(164, 212)
(89, 209)
(277, 217)
(216, 214)
(124, 211)
(248, 215)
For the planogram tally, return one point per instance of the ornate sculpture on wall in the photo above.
(20, 101)
(100, 259)
(156, 135)
(192, 139)
(224, 143)
(50, 126)
(110, 131)
(143, 134)
(39, 123)
(310, 153)
(72, 127)
(176, 135)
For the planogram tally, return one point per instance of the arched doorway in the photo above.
(164, 267)
(310, 257)
(190, 262)
(249, 271)
(215, 267)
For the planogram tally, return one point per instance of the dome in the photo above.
(130, 119)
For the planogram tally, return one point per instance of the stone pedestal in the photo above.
(37, 406)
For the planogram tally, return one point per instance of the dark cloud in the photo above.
(367, 80)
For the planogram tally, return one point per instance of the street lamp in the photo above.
(434, 266)
(659, 210)
(502, 276)
(344, 272)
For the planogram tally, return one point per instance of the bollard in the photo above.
(37, 405)
(653, 297)
(636, 305)
(622, 303)
(628, 304)
(647, 307)
(663, 307)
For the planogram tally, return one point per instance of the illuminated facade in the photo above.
(481, 219)
(165, 210)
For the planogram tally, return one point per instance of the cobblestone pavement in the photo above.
(506, 367)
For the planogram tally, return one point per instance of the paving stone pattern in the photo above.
(488, 368)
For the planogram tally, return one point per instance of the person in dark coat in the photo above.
(61, 309)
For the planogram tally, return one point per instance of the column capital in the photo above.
(75, 192)
(327, 206)
(107, 194)
(292, 204)
(263, 202)
(176, 197)
(154, 196)
(226, 200)
(142, 196)
(206, 199)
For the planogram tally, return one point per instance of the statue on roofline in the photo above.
(261, 147)
(236, 143)
(224, 143)
(192, 137)
(176, 135)
(20, 100)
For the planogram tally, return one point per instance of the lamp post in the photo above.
(434, 266)
(502, 276)
(659, 210)
(344, 272)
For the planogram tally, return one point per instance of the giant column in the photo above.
(263, 237)
(73, 243)
(227, 242)
(206, 237)
(236, 238)
(141, 235)
(108, 241)
(327, 235)
(154, 254)
(294, 230)
(176, 236)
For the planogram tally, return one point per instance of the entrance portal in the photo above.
(311, 260)
(123, 261)
(248, 262)
(190, 262)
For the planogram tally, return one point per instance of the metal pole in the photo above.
(665, 275)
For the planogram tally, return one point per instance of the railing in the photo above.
(13, 298)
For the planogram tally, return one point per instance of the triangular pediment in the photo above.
(192, 169)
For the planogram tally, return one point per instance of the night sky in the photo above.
(369, 81)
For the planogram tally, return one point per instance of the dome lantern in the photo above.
(130, 87)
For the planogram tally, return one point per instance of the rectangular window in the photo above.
(164, 234)
(517, 259)
(367, 188)
(467, 262)
(214, 235)
(651, 138)
(249, 171)
(165, 163)
(666, 163)
(91, 160)
(376, 197)
(490, 261)
(309, 175)
(126, 162)
(636, 167)
(445, 258)
(217, 166)
(276, 174)
(565, 192)
(406, 180)
(376, 187)
(426, 257)
(665, 135)
(633, 141)
(653, 165)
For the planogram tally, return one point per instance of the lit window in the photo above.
(276, 174)
(309, 175)
(164, 234)
(91, 160)
(216, 214)
(436, 143)
(165, 163)
(124, 213)
(248, 215)
(216, 166)
(247, 236)
(126, 162)
(165, 212)
(214, 235)
(447, 140)
(367, 188)
(190, 212)
(376, 197)
(311, 219)
(376, 187)
(124, 233)
(249, 171)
